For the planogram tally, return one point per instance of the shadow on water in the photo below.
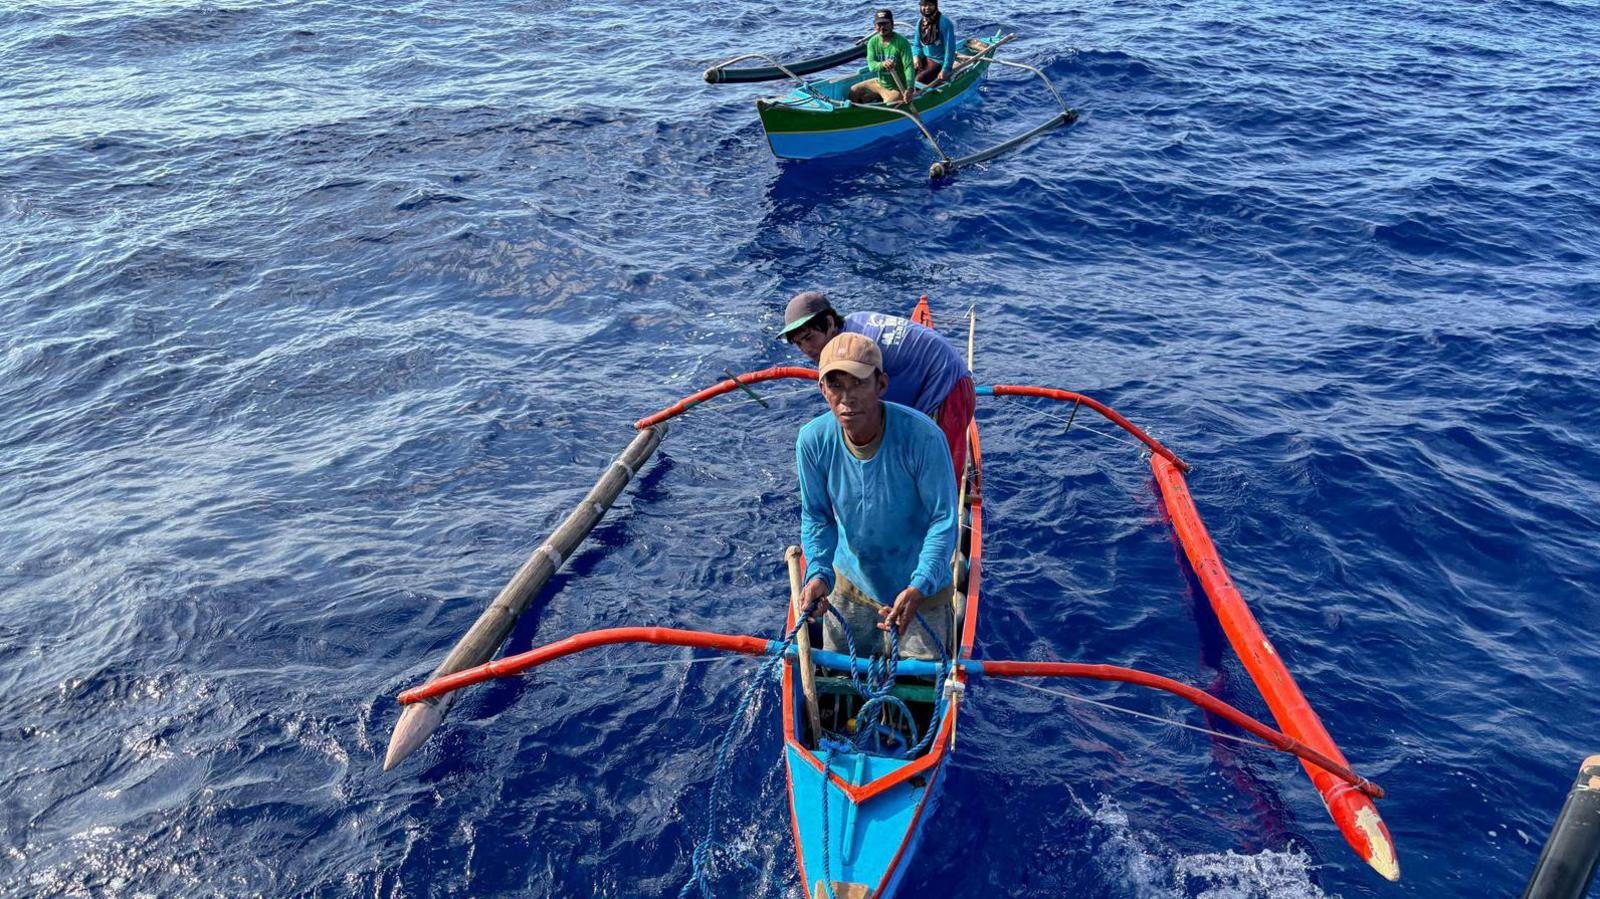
(1264, 800)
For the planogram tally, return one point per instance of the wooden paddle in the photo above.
(802, 638)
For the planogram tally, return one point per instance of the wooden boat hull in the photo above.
(802, 126)
(863, 829)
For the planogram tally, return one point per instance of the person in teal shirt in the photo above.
(877, 512)
(934, 48)
(888, 54)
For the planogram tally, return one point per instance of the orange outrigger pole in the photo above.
(511, 666)
(1352, 810)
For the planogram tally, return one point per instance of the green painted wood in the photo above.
(781, 119)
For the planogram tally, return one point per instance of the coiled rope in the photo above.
(876, 689)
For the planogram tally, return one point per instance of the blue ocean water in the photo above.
(317, 316)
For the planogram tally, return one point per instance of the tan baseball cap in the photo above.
(852, 353)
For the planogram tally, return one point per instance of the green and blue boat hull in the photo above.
(805, 125)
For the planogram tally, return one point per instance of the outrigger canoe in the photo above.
(866, 740)
(817, 118)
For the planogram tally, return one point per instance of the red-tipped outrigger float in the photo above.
(866, 741)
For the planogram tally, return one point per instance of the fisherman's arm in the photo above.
(936, 488)
(947, 35)
(936, 483)
(819, 532)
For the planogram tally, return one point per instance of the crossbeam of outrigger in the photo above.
(511, 666)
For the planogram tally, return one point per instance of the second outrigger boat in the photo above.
(866, 740)
(817, 118)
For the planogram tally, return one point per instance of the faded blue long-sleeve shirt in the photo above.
(885, 523)
(944, 50)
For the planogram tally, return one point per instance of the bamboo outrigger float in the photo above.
(482, 641)
(866, 741)
(817, 118)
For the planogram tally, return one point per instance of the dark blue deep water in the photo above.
(318, 315)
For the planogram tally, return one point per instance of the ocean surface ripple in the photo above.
(319, 315)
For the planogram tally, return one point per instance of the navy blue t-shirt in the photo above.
(922, 366)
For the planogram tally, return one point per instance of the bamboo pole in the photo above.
(802, 642)
(483, 639)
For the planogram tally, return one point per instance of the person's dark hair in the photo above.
(929, 26)
(827, 319)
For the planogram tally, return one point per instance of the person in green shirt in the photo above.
(888, 53)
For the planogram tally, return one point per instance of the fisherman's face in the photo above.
(854, 401)
(929, 7)
(886, 29)
(811, 337)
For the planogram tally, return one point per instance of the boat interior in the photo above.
(893, 735)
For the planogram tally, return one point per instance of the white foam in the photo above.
(1148, 869)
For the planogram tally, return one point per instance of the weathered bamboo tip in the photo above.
(1383, 859)
(416, 724)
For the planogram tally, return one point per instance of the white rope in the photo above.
(1138, 714)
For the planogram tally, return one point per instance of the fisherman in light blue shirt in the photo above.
(877, 511)
(933, 48)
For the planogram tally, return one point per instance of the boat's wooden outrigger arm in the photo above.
(1078, 399)
(483, 639)
(1066, 116)
(909, 109)
(756, 646)
(728, 386)
(721, 73)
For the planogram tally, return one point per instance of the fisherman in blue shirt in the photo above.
(934, 46)
(877, 511)
(925, 372)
